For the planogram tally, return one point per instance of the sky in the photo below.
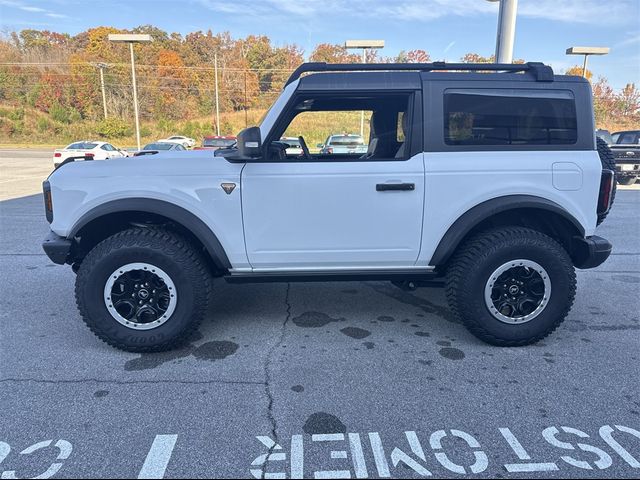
(447, 29)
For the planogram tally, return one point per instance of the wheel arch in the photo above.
(111, 217)
(524, 210)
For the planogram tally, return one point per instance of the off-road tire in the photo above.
(480, 256)
(170, 252)
(608, 160)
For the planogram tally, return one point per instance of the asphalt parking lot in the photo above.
(333, 380)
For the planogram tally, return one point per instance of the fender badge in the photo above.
(228, 187)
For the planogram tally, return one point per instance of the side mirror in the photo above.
(320, 145)
(249, 143)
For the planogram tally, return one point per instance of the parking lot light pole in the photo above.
(215, 63)
(364, 45)
(131, 39)
(586, 51)
(506, 30)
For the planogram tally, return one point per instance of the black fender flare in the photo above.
(159, 207)
(475, 215)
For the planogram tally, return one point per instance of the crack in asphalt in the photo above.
(267, 382)
(129, 382)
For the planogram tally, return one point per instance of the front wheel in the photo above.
(511, 286)
(143, 290)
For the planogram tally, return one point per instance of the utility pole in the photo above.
(102, 66)
(131, 39)
(246, 118)
(506, 30)
(215, 63)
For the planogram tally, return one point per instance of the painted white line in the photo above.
(359, 463)
(297, 457)
(158, 457)
(515, 445)
(378, 455)
(531, 467)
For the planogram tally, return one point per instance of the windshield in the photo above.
(346, 140)
(218, 142)
(158, 146)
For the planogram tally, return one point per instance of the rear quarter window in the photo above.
(509, 117)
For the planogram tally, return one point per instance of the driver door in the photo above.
(340, 212)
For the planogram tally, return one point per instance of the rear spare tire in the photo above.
(608, 160)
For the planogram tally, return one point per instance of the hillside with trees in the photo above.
(50, 89)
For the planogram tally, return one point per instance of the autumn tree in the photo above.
(577, 70)
(330, 53)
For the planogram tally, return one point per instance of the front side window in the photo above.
(330, 127)
(509, 117)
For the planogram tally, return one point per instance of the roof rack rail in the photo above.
(542, 72)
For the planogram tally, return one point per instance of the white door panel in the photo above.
(329, 214)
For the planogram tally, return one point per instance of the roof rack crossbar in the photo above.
(541, 72)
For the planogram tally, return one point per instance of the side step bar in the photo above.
(419, 276)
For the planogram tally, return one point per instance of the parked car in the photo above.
(186, 142)
(605, 135)
(160, 147)
(627, 156)
(215, 142)
(494, 193)
(91, 149)
(343, 143)
(294, 147)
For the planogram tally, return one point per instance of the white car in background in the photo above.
(87, 148)
(186, 142)
(294, 145)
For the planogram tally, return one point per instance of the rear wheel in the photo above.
(511, 286)
(143, 290)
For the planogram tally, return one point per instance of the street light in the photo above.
(131, 39)
(506, 30)
(586, 51)
(364, 45)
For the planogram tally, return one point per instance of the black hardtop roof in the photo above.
(408, 75)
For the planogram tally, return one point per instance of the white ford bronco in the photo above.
(486, 179)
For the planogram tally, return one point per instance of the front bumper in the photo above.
(590, 252)
(57, 248)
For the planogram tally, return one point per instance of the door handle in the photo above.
(383, 187)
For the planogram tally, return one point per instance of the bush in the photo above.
(145, 131)
(43, 124)
(112, 127)
(59, 113)
(17, 114)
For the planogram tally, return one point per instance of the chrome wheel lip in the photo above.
(517, 320)
(117, 273)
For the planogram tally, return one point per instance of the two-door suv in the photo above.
(486, 179)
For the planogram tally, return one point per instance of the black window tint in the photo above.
(509, 117)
